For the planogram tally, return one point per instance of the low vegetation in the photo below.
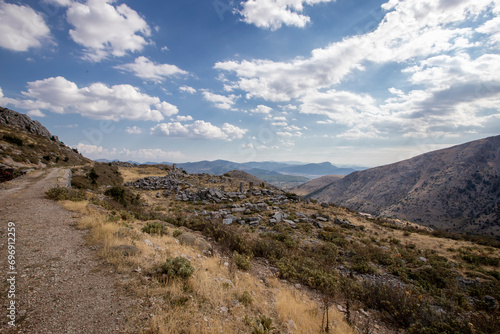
(378, 271)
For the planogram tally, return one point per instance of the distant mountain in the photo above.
(324, 168)
(457, 188)
(316, 184)
(219, 167)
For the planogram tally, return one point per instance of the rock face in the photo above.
(457, 188)
(12, 118)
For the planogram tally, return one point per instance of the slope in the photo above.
(456, 189)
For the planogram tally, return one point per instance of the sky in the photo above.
(350, 82)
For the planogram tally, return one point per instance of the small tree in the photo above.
(93, 176)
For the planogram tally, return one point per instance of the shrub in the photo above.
(243, 262)
(176, 233)
(62, 193)
(13, 140)
(57, 193)
(176, 268)
(246, 298)
(154, 228)
(263, 325)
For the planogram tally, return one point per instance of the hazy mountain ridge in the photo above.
(457, 188)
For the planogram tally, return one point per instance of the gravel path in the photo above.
(60, 284)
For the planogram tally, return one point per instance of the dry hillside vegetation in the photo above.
(216, 298)
(456, 189)
(206, 259)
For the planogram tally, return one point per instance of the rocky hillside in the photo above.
(457, 189)
(14, 119)
(25, 144)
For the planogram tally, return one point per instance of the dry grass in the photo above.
(130, 174)
(302, 315)
(209, 301)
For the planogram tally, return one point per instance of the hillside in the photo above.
(457, 189)
(260, 252)
(26, 144)
(315, 184)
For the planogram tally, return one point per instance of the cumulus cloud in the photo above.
(97, 101)
(22, 28)
(220, 101)
(272, 14)
(36, 113)
(198, 129)
(134, 130)
(141, 155)
(412, 29)
(261, 109)
(106, 30)
(180, 118)
(144, 68)
(187, 89)
(447, 90)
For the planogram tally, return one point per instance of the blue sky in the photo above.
(350, 82)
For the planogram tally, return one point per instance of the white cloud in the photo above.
(220, 101)
(343, 107)
(144, 68)
(198, 129)
(36, 113)
(261, 109)
(63, 3)
(134, 130)
(22, 28)
(141, 155)
(187, 89)
(97, 101)
(180, 118)
(105, 30)
(272, 14)
(413, 29)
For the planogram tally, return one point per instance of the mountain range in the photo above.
(261, 169)
(457, 189)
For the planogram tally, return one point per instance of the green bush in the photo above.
(246, 298)
(243, 262)
(13, 140)
(57, 193)
(154, 228)
(263, 325)
(176, 268)
(176, 233)
(62, 193)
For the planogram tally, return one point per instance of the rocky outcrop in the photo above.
(11, 118)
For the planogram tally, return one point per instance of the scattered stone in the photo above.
(148, 242)
(423, 259)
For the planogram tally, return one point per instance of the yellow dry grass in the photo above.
(302, 315)
(130, 174)
(211, 300)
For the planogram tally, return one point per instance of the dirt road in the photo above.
(60, 285)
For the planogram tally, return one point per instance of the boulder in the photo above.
(187, 238)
